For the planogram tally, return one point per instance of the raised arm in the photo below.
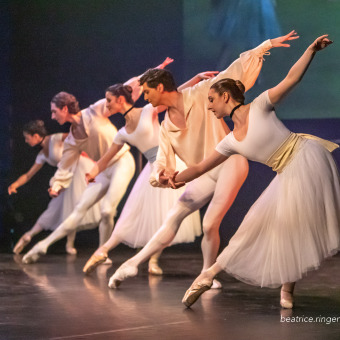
(102, 164)
(196, 79)
(298, 70)
(23, 179)
(197, 170)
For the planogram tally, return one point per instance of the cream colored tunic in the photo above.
(100, 134)
(203, 131)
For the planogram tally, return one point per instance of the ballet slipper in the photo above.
(288, 301)
(35, 253)
(123, 272)
(99, 256)
(71, 250)
(22, 243)
(216, 284)
(154, 268)
(195, 291)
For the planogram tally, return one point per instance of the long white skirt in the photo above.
(145, 211)
(61, 206)
(292, 226)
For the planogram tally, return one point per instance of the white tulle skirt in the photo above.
(61, 207)
(145, 211)
(293, 225)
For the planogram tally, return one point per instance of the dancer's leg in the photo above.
(70, 243)
(154, 267)
(92, 194)
(120, 174)
(26, 238)
(195, 196)
(229, 178)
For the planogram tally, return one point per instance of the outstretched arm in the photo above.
(297, 72)
(23, 179)
(196, 79)
(197, 170)
(102, 164)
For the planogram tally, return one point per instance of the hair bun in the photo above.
(128, 88)
(240, 86)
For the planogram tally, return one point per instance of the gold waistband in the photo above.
(284, 154)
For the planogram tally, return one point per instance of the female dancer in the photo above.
(91, 131)
(146, 206)
(294, 224)
(60, 207)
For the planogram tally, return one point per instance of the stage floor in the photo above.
(52, 299)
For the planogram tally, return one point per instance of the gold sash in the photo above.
(284, 154)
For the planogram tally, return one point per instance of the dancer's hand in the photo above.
(12, 189)
(279, 42)
(320, 43)
(172, 182)
(53, 193)
(89, 178)
(166, 62)
(163, 179)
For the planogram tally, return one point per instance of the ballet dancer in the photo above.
(146, 206)
(189, 131)
(91, 131)
(294, 224)
(58, 208)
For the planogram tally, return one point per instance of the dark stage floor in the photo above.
(53, 300)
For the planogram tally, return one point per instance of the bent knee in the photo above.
(211, 228)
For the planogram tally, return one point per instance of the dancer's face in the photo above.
(59, 115)
(32, 140)
(152, 95)
(216, 104)
(113, 104)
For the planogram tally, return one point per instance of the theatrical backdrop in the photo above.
(82, 47)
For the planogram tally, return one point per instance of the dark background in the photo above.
(82, 47)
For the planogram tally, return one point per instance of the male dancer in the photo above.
(192, 133)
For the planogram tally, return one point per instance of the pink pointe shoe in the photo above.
(154, 268)
(22, 243)
(195, 291)
(100, 256)
(123, 272)
(71, 250)
(34, 254)
(286, 302)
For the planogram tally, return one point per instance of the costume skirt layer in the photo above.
(145, 211)
(292, 226)
(61, 207)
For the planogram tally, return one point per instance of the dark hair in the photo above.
(234, 87)
(155, 76)
(35, 126)
(62, 99)
(122, 90)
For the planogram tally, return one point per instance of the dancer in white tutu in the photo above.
(190, 131)
(294, 224)
(91, 131)
(60, 207)
(146, 206)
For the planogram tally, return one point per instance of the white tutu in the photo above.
(292, 226)
(61, 206)
(145, 211)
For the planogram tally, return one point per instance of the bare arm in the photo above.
(197, 78)
(23, 179)
(197, 170)
(298, 70)
(101, 165)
